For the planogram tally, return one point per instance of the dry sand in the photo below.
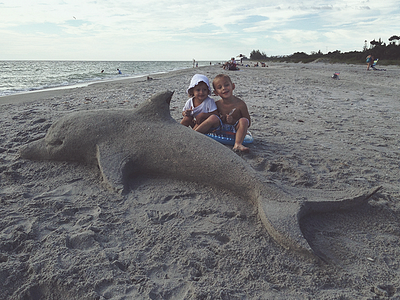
(63, 235)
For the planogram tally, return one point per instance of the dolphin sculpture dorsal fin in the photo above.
(157, 107)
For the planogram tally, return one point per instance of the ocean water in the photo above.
(25, 76)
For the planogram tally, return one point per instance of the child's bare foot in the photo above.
(241, 148)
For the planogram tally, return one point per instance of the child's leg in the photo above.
(211, 122)
(188, 121)
(241, 131)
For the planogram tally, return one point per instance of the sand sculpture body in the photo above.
(147, 140)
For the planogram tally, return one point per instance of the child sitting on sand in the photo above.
(200, 107)
(233, 111)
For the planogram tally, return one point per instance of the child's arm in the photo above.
(229, 117)
(245, 112)
(240, 111)
(203, 116)
(188, 112)
(209, 108)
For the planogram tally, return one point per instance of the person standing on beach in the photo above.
(233, 111)
(370, 60)
(200, 111)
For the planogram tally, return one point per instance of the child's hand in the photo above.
(188, 112)
(229, 119)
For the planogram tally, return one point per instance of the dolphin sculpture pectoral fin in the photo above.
(114, 167)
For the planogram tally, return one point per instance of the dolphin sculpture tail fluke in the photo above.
(283, 217)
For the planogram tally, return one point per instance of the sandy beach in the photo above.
(63, 235)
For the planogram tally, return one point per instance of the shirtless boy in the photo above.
(233, 111)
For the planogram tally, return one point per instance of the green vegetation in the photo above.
(387, 54)
(257, 55)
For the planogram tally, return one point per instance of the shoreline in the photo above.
(63, 90)
(64, 235)
(60, 74)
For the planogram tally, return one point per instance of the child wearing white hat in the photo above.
(200, 107)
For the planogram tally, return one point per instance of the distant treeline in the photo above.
(387, 54)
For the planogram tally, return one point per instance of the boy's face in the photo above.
(200, 91)
(224, 88)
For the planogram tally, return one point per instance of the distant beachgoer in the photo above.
(102, 71)
(200, 111)
(231, 65)
(119, 71)
(370, 61)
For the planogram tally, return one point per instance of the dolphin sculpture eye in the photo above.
(56, 142)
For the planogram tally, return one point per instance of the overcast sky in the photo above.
(186, 29)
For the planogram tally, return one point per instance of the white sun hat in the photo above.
(196, 79)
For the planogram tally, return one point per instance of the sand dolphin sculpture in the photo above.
(148, 140)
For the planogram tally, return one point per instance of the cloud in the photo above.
(183, 29)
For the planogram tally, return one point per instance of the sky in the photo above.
(183, 30)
